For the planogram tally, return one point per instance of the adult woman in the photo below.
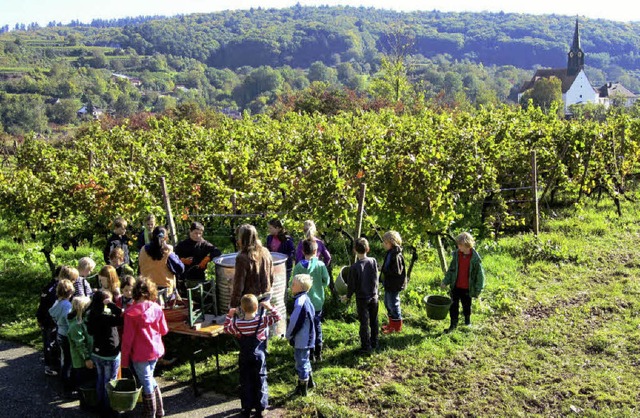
(254, 266)
(144, 326)
(159, 263)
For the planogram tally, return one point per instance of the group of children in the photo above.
(309, 278)
(88, 326)
(92, 334)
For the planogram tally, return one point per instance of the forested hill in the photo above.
(298, 36)
(250, 59)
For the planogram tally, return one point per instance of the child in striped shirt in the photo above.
(251, 329)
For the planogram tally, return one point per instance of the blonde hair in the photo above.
(79, 305)
(249, 303)
(304, 280)
(86, 263)
(112, 279)
(310, 230)
(466, 239)
(64, 289)
(392, 237)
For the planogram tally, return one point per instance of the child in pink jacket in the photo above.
(144, 326)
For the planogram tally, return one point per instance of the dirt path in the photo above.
(26, 391)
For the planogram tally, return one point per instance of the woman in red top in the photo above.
(144, 326)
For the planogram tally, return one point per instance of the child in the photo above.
(254, 266)
(109, 280)
(118, 239)
(116, 259)
(251, 331)
(310, 232)
(48, 325)
(104, 318)
(126, 288)
(59, 312)
(82, 286)
(144, 237)
(363, 281)
(301, 332)
(395, 280)
(142, 345)
(195, 252)
(465, 279)
(318, 272)
(278, 241)
(80, 342)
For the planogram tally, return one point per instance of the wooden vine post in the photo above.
(361, 194)
(534, 190)
(167, 206)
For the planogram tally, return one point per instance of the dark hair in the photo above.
(196, 225)
(277, 223)
(145, 288)
(361, 246)
(309, 246)
(156, 248)
(127, 280)
(96, 308)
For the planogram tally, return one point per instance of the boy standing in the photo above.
(301, 332)
(251, 330)
(318, 271)
(363, 281)
(116, 259)
(118, 239)
(465, 278)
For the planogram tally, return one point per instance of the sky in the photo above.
(44, 11)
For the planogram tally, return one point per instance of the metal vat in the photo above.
(225, 271)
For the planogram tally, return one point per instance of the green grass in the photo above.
(555, 331)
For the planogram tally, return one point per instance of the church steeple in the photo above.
(575, 61)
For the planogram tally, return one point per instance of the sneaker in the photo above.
(50, 372)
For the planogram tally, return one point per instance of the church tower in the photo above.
(575, 60)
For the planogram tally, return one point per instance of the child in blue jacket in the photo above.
(301, 331)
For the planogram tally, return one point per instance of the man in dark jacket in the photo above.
(195, 253)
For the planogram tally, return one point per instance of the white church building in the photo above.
(576, 88)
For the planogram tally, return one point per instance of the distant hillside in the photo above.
(248, 59)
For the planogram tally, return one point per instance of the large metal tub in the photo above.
(225, 271)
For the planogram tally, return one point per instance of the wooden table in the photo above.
(210, 331)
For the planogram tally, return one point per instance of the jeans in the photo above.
(107, 370)
(144, 372)
(303, 365)
(368, 317)
(317, 322)
(392, 303)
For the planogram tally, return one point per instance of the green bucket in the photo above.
(437, 306)
(123, 394)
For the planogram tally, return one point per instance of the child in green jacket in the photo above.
(465, 279)
(80, 342)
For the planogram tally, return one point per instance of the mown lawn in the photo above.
(555, 333)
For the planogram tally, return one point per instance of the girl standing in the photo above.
(142, 346)
(104, 318)
(254, 266)
(279, 241)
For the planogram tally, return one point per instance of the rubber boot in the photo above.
(149, 405)
(318, 352)
(310, 383)
(301, 389)
(399, 325)
(159, 402)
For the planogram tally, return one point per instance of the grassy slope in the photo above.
(556, 331)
